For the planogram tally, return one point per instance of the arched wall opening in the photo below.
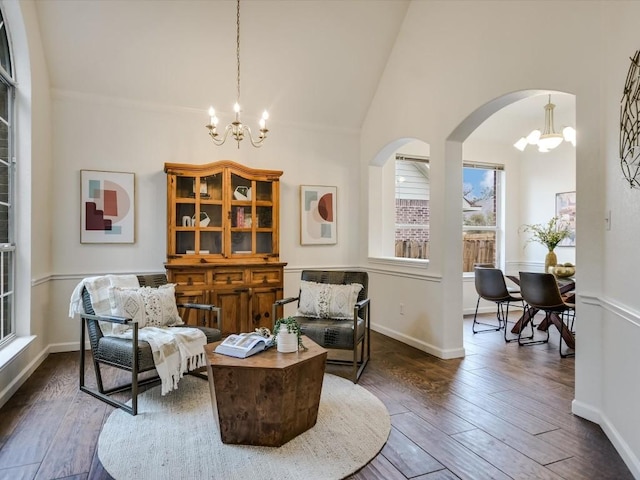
(422, 303)
(533, 182)
(383, 202)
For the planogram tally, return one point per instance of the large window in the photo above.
(481, 212)
(7, 182)
(412, 207)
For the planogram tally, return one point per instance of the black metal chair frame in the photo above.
(541, 293)
(89, 323)
(491, 286)
(362, 310)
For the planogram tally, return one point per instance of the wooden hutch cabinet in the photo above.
(222, 242)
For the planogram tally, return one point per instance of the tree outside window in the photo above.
(480, 214)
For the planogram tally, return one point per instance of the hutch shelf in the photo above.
(222, 242)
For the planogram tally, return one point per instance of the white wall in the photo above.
(98, 133)
(617, 336)
(461, 69)
(542, 176)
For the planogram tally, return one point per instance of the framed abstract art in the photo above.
(566, 213)
(318, 222)
(107, 207)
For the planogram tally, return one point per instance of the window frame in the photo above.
(498, 228)
(9, 250)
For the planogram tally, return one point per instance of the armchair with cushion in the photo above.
(131, 354)
(334, 312)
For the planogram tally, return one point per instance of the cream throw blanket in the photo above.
(98, 288)
(176, 350)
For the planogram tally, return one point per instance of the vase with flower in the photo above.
(549, 234)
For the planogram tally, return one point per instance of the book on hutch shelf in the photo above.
(244, 345)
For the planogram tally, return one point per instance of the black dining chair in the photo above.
(540, 292)
(491, 286)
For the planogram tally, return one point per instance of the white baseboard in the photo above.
(67, 347)
(22, 377)
(419, 344)
(622, 447)
(472, 310)
(490, 309)
(586, 411)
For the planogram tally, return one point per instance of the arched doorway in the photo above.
(533, 180)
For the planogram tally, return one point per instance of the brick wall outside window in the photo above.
(409, 213)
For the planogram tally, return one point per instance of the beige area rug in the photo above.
(176, 437)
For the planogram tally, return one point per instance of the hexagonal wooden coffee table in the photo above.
(266, 399)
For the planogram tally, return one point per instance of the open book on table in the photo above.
(244, 345)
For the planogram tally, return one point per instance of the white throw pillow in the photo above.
(160, 306)
(126, 302)
(154, 307)
(327, 300)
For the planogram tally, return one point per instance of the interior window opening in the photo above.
(412, 207)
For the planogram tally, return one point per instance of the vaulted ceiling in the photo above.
(311, 63)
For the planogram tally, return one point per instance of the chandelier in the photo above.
(237, 128)
(548, 139)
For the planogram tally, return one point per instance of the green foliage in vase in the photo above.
(549, 234)
(292, 327)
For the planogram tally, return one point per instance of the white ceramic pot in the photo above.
(242, 193)
(204, 220)
(287, 342)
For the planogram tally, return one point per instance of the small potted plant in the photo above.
(287, 335)
(549, 234)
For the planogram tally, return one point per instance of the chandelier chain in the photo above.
(238, 48)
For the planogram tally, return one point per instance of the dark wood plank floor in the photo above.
(502, 412)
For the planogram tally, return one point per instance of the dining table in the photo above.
(567, 286)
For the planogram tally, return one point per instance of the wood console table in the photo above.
(266, 399)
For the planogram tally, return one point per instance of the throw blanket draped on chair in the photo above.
(175, 350)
